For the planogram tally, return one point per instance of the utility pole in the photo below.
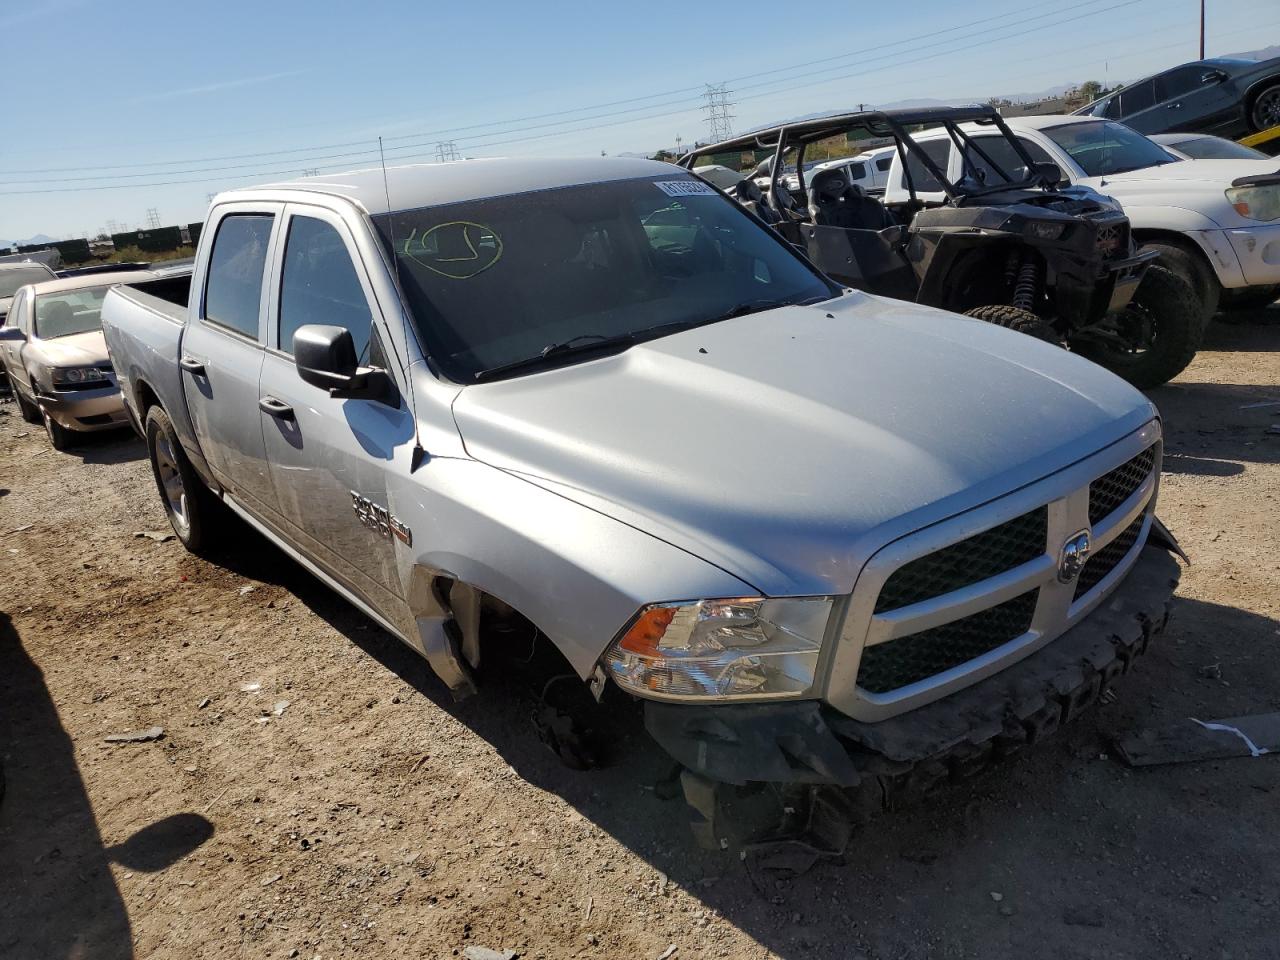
(1201, 29)
(153, 218)
(718, 107)
(446, 150)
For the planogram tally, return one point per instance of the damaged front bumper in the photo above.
(811, 743)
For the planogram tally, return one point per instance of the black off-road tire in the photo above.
(195, 521)
(1168, 304)
(59, 436)
(1015, 318)
(1191, 266)
(30, 412)
(1264, 112)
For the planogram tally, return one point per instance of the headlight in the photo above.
(1047, 230)
(722, 648)
(76, 374)
(1259, 202)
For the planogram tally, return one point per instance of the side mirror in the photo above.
(11, 335)
(326, 358)
(1049, 172)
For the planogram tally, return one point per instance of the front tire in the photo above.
(1015, 318)
(30, 412)
(1191, 267)
(187, 501)
(1265, 112)
(59, 436)
(1158, 333)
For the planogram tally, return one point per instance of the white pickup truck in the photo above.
(1217, 222)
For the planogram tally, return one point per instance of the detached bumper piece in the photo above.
(893, 763)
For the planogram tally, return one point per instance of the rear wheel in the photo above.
(1265, 112)
(1154, 338)
(30, 412)
(1015, 318)
(187, 501)
(1191, 267)
(59, 436)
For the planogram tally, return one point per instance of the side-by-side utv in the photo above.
(987, 232)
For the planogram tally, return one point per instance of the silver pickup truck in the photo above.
(827, 538)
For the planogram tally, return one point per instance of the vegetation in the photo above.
(138, 255)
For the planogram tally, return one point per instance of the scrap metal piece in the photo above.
(1190, 739)
(136, 736)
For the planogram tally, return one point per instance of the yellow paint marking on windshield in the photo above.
(472, 248)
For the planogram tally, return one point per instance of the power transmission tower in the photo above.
(446, 150)
(153, 218)
(311, 172)
(208, 197)
(718, 107)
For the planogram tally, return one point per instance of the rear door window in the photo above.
(320, 284)
(1141, 96)
(233, 291)
(884, 163)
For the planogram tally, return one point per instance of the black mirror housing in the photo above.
(1049, 172)
(11, 335)
(325, 357)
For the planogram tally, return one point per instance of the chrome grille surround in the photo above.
(1066, 496)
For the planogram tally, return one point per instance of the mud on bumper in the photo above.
(895, 762)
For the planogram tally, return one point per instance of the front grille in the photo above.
(906, 660)
(1113, 239)
(1104, 561)
(1110, 490)
(981, 556)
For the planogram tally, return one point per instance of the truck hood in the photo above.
(78, 350)
(1195, 185)
(787, 446)
(1217, 172)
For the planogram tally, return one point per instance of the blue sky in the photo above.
(116, 108)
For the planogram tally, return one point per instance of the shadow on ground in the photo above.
(60, 899)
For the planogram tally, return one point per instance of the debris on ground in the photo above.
(250, 687)
(1191, 739)
(159, 536)
(668, 953)
(280, 707)
(247, 590)
(203, 703)
(1212, 671)
(484, 953)
(136, 736)
(22, 529)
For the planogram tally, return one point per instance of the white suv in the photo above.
(1215, 221)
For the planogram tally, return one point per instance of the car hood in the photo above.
(78, 350)
(787, 446)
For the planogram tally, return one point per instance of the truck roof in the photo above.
(431, 184)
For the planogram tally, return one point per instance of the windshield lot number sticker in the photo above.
(685, 188)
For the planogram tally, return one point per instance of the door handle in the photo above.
(275, 408)
(192, 366)
(1174, 106)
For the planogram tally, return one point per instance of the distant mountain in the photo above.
(1266, 53)
(38, 238)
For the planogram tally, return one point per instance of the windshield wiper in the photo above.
(589, 342)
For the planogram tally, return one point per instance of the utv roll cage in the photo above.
(892, 124)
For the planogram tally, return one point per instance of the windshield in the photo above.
(1215, 148)
(1106, 147)
(12, 279)
(69, 313)
(497, 281)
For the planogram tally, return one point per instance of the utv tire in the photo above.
(1015, 318)
(30, 412)
(1167, 309)
(1191, 267)
(188, 503)
(59, 436)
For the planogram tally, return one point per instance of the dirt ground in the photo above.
(317, 794)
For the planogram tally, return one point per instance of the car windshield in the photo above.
(1102, 148)
(13, 278)
(70, 312)
(1215, 148)
(502, 280)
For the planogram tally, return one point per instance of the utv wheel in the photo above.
(30, 412)
(1191, 267)
(187, 501)
(1265, 112)
(1158, 334)
(59, 436)
(1015, 318)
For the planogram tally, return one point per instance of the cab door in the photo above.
(330, 458)
(222, 350)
